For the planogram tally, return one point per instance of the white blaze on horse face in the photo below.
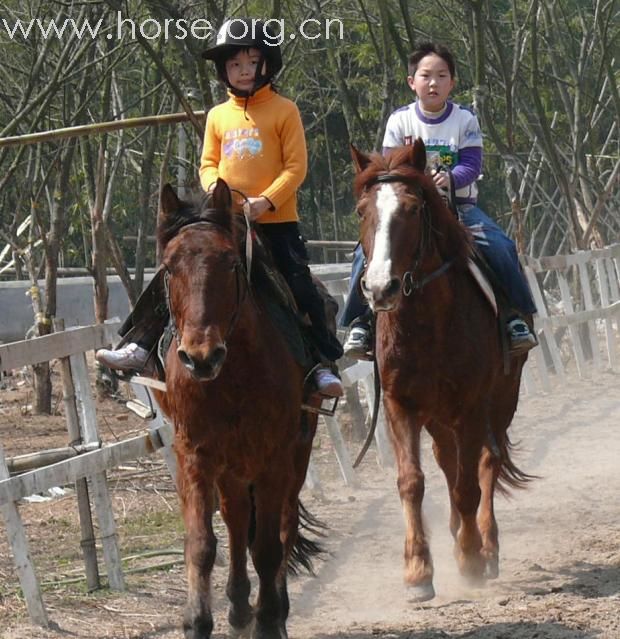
(379, 271)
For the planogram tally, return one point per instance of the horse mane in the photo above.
(196, 209)
(452, 239)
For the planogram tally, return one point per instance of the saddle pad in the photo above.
(483, 284)
(289, 325)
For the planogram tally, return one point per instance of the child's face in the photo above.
(241, 69)
(432, 82)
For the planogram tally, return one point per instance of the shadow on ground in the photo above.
(523, 630)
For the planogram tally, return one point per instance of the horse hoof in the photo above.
(240, 633)
(423, 592)
(491, 570)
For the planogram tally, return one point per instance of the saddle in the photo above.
(149, 321)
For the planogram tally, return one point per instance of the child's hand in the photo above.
(442, 179)
(258, 205)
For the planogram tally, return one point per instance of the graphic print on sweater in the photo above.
(242, 143)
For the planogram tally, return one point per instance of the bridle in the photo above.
(242, 275)
(411, 279)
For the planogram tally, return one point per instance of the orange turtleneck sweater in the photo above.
(259, 150)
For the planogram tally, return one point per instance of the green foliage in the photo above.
(345, 89)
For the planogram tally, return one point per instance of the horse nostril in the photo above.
(217, 356)
(393, 287)
(363, 284)
(186, 360)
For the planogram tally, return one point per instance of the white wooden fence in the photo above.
(578, 302)
(86, 459)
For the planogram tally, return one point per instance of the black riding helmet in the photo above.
(243, 33)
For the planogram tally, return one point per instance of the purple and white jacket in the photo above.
(453, 140)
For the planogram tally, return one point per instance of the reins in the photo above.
(410, 282)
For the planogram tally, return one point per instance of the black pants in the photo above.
(291, 259)
(149, 317)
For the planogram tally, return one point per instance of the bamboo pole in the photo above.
(31, 461)
(98, 127)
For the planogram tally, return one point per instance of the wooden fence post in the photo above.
(589, 305)
(98, 481)
(572, 328)
(384, 450)
(145, 396)
(89, 549)
(21, 554)
(605, 301)
(547, 331)
(342, 454)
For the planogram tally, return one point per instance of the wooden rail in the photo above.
(589, 289)
(86, 457)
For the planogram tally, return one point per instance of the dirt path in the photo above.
(560, 549)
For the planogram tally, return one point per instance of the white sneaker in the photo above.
(359, 344)
(130, 357)
(327, 383)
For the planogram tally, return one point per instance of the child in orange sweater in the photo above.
(255, 141)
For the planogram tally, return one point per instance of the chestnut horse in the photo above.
(439, 358)
(234, 394)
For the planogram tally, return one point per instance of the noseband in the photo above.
(411, 279)
(242, 278)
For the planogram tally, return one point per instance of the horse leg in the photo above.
(288, 533)
(466, 497)
(235, 508)
(405, 432)
(196, 491)
(268, 556)
(488, 471)
(444, 449)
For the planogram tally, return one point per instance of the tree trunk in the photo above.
(98, 236)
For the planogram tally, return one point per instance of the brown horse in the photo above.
(439, 358)
(234, 393)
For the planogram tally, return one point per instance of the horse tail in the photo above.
(510, 475)
(304, 548)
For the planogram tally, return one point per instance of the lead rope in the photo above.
(375, 416)
(248, 240)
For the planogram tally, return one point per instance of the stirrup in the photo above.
(328, 412)
(320, 410)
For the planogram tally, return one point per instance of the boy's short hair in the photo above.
(426, 48)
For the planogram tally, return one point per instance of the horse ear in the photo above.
(360, 160)
(418, 155)
(221, 196)
(168, 201)
(169, 207)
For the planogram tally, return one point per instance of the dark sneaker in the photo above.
(327, 383)
(521, 338)
(359, 344)
(129, 358)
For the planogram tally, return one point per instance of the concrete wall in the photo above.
(75, 304)
(75, 301)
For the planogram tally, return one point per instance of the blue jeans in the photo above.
(500, 253)
(497, 248)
